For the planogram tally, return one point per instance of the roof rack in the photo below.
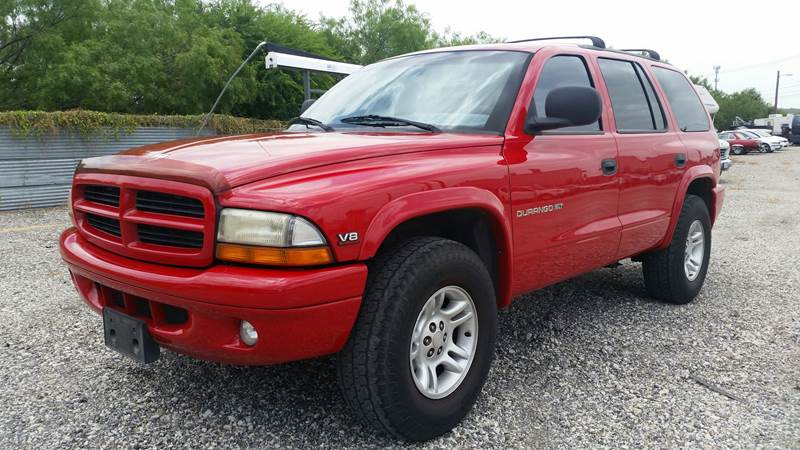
(596, 41)
(652, 54)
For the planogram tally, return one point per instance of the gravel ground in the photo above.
(588, 362)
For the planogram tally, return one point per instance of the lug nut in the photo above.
(445, 337)
(430, 353)
(427, 340)
(441, 325)
(432, 327)
(439, 352)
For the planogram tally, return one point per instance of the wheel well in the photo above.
(471, 227)
(701, 187)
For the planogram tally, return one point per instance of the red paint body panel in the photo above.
(369, 183)
(744, 141)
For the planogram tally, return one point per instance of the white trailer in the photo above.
(775, 122)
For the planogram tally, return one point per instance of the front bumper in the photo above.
(298, 314)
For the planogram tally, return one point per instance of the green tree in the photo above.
(174, 56)
(746, 104)
(379, 29)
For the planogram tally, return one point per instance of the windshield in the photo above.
(464, 91)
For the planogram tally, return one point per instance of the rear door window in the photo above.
(560, 71)
(684, 101)
(636, 108)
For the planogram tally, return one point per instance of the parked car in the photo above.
(740, 143)
(795, 136)
(725, 155)
(766, 145)
(393, 219)
(767, 137)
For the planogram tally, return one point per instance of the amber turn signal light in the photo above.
(273, 256)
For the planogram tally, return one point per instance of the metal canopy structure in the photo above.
(280, 57)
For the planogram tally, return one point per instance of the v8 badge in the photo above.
(347, 238)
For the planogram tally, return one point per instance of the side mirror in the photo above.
(306, 104)
(566, 106)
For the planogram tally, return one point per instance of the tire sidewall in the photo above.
(694, 209)
(434, 416)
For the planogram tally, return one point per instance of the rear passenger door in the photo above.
(652, 157)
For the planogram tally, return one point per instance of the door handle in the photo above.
(609, 166)
(680, 159)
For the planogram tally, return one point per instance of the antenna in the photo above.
(652, 54)
(224, 88)
(596, 41)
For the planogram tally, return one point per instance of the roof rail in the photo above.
(596, 41)
(652, 54)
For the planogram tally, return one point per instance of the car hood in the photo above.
(221, 163)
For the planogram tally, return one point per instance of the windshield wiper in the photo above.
(374, 120)
(309, 121)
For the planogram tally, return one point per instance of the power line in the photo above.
(750, 66)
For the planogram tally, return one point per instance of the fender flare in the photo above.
(691, 175)
(423, 203)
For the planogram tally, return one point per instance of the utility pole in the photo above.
(777, 86)
(716, 76)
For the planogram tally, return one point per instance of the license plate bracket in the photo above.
(129, 336)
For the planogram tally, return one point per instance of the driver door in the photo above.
(564, 187)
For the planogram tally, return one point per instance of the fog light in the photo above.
(248, 333)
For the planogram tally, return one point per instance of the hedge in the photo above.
(88, 123)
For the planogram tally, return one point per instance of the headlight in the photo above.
(269, 238)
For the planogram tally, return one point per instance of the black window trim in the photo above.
(647, 98)
(592, 83)
(677, 125)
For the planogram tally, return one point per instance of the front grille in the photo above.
(159, 221)
(170, 236)
(159, 202)
(107, 195)
(110, 226)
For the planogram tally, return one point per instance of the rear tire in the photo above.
(377, 368)
(676, 273)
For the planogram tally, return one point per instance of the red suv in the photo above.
(393, 219)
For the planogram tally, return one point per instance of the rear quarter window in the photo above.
(684, 101)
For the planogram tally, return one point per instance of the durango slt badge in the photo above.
(539, 210)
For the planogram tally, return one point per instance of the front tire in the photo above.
(766, 148)
(738, 150)
(676, 273)
(428, 313)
